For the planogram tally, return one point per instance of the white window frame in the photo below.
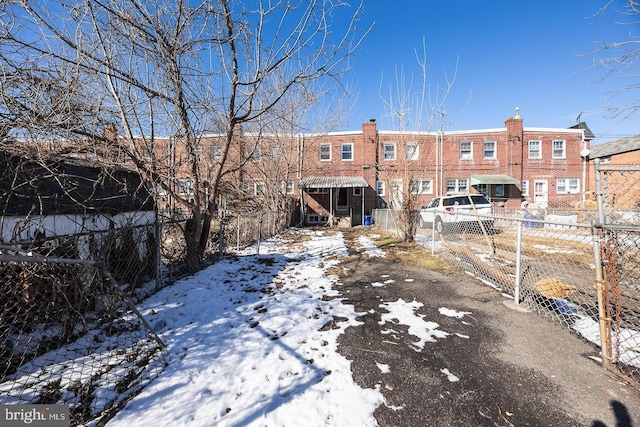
(389, 150)
(380, 188)
(357, 191)
(466, 154)
(457, 185)
(532, 151)
(216, 153)
(524, 187)
(259, 188)
(290, 186)
(567, 186)
(276, 151)
(412, 150)
(492, 150)
(344, 151)
(185, 186)
(147, 153)
(559, 153)
(324, 156)
(422, 186)
(197, 152)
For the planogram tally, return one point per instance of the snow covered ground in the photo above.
(253, 341)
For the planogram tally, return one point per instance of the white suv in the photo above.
(455, 212)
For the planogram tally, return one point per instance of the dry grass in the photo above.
(407, 253)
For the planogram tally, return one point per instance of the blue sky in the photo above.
(527, 54)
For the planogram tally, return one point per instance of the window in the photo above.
(259, 188)
(346, 151)
(380, 188)
(489, 150)
(559, 149)
(465, 150)
(421, 186)
(317, 219)
(535, 149)
(256, 154)
(325, 152)
(147, 153)
(357, 191)
(276, 151)
(91, 154)
(412, 150)
(389, 150)
(457, 185)
(524, 188)
(483, 189)
(567, 186)
(216, 153)
(290, 187)
(499, 190)
(185, 186)
(197, 152)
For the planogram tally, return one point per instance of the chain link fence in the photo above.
(228, 234)
(618, 236)
(70, 330)
(563, 264)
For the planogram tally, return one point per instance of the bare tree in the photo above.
(415, 108)
(165, 67)
(621, 58)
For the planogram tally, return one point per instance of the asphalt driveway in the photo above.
(496, 367)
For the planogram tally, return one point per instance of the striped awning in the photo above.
(333, 182)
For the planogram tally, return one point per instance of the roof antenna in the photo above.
(579, 117)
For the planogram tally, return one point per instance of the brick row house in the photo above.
(345, 175)
(351, 173)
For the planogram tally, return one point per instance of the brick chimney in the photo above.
(514, 126)
(369, 140)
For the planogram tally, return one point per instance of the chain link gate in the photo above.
(618, 239)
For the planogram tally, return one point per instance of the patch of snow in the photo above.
(404, 313)
(370, 248)
(452, 378)
(383, 368)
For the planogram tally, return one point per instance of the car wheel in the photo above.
(439, 225)
(421, 223)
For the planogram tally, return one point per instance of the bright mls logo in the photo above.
(35, 415)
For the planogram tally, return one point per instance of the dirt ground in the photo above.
(513, 368)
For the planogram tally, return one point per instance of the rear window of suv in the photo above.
(479, 199)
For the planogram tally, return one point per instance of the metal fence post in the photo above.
(601, 285)
(238, 234)
(158, 224)
(433, 237)
(518, 262)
